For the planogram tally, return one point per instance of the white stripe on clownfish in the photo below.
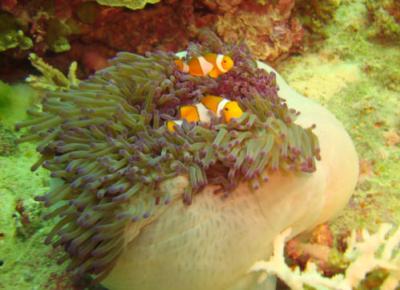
(221, 107)
(220, 58)
(185, 67)
(206, 67)
(204, 113)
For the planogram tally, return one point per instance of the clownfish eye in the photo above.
(226, 109)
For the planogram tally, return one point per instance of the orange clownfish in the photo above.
(200, 112)
(210, 64)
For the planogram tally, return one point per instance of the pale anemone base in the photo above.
(212, 244)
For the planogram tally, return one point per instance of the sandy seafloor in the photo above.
(354, 76)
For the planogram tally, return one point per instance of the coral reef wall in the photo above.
(270, 30)
(88, 32)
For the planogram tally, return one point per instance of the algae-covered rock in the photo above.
(11, 34)
(385, 18)
(270, 30)
(315, 14)
(131, 4)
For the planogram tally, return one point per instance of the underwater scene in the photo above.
(199, 145)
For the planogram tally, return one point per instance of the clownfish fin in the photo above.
(171, 125)
(189, 113)
(182, 66)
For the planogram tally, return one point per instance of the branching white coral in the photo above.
(373, 252)
(370, 252)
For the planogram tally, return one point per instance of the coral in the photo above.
(131, 4)
(89, 33)
(270, 30)
(11, 36)
(51, 79)
(164, 26)
(385, 18)
(365, 254)
(315, 15)
(107, 141)
(44, 27)
(38, 26)
(222, 6)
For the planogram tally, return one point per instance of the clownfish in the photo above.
(222, 107)
(200, 112)
(210, 64)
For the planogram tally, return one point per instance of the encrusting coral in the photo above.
(315, 14)
(131, 4)
(107, 141)
(363, 254)
(271, 31)
(385, 18)
(89, 32)
(11, 36)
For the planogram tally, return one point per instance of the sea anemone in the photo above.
(107, 142)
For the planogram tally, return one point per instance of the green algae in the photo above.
(14, 101)
(385, 19)
(316, 14)
(8, 143)
(26, 261)
(131, 4)
(366, 102)
(11, 34)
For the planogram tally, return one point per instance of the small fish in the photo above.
(210, 64)
(192, 114)
(222, 107)
(200, 112)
